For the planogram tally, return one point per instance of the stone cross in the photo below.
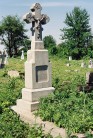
(37, 19)
(38, 80)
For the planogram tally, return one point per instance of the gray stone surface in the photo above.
(33, 95)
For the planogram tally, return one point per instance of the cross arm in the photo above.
(44, 19)
(28, 18)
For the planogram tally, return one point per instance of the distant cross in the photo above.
(37, 19)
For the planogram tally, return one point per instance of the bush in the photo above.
(68, 108)
(10, 124)
(53, 50)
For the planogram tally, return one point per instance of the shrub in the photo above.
(68, 108)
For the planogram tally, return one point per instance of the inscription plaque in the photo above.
(41, 73)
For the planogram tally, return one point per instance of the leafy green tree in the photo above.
(26, 44)
(12, 33)
(63, 51)
(50, 44)
(77, 33)
(49, 41)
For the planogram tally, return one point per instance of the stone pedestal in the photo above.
(37, 80)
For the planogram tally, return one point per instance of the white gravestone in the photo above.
(22, 56)
(70, 58)
(90, 64)
(38, 81)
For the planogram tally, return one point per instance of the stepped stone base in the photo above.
(28, 106)
(30, 98)
(33, 95)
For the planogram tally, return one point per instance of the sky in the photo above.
(55, 9)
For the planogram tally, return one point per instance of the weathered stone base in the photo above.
(28, 106)
(30, 98)
(29, 117)
(33, 95)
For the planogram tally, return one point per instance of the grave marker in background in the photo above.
(90, 64)
(2, 56)
(22, 55)
(70, 58)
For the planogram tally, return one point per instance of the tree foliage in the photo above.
(49, 41)
(77, 33)
(12, 33)
(50, 44)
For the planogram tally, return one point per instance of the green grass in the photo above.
(10, 90)
(60, 70)
(64, 79)
(66, 107)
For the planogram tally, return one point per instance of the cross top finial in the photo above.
(35, 6)
(37, 19)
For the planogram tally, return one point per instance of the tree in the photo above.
(26, 44)
(77, 33)
(49, 41)
(12, 33)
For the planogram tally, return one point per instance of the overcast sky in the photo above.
(55, 9)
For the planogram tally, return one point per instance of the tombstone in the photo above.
(70, 58)
(22, 56)
(3, 55)
(89, 81)
(88, 87)
(38, 82)
(90, 64)
(83, 64)
(6, 58)
(68, 64)
(89, 78)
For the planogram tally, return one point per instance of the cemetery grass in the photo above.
(65, 107)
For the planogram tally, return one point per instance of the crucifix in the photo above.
(37, 19)
(38, 81)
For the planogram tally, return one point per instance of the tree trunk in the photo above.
(15, 49)
(10, 52)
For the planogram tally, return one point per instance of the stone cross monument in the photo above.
(37, 19)
(37, 67)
